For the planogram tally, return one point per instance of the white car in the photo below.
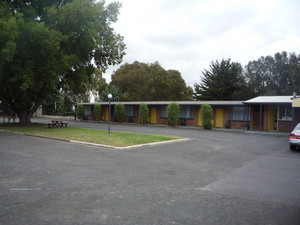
(294, 139)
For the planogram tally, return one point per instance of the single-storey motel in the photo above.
(263, 113)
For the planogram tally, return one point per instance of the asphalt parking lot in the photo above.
(216, 177)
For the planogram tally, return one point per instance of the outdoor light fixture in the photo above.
(109, 96)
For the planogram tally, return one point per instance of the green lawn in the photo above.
(117, 138)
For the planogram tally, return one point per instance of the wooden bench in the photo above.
(57, 124)
(64, 124)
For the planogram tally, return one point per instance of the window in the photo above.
(239, 113)
(163, 112)
(285, 112)
(129, 110)
(186, 112)
(87, 110)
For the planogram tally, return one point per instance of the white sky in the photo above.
(186, 35)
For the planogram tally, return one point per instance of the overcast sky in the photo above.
(186, 35)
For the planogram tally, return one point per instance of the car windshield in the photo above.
(297, 127)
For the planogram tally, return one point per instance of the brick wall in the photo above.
(284, 126)
(91, 117)
(239, 124)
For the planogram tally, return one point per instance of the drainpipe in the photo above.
(293, 118)
(260, 117)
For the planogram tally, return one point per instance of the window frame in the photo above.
(163, 111)
(129, 110)
(236, 114)
(88, 110)
(186, 112)
(288, 113)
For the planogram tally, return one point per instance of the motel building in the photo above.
(263, 113)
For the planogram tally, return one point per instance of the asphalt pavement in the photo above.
(216, 177)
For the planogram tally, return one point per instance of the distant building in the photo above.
(263, 113)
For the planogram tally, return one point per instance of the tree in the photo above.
(173, 113)
(110, 89)
(150, 82)
(223, 81)
(95, 84)
(97, 112)
(176, 87)
(278, 75)
(80, 111)
(206, 116)
(64, 105)
(120, 112)
(48, 46)
(144, 113)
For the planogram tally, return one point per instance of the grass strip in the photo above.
(117, 138)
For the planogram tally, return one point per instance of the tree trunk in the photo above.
(25, 115)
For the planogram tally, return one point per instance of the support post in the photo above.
(109, 96)
(260, 117)
(109, 117)
(293, 118)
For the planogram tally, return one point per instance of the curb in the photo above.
(98, 145)
(130, 146)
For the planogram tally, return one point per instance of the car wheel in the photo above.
(292, 147)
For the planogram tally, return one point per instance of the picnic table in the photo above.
(57, 123)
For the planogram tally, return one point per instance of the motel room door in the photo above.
(219, 118)
(200, 124)
(104, 114)
(272, 118)
(153, 115)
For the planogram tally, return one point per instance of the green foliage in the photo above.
(80, 111)
(65, 105)
(277, 75)
(150, 82)
(120, 112)
(173, 114)
(144, 113)
(110, 89)
(206, 116)
(97, 112)
(223, 81)
(270, 75)
(48, 46)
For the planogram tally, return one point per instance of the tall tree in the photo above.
(223, 81)
(47, 46)
(110, 89)
(150, 82)
(278, 75)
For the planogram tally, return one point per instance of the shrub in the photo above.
(120, 112)
(206, 116)
(80, 111)
(173, 114)
(97, 112)
(144, 112)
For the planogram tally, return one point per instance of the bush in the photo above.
(173, 114)
(120, 112)
(80, 111)
(206, 116)
(97, 112)
(144, 112)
